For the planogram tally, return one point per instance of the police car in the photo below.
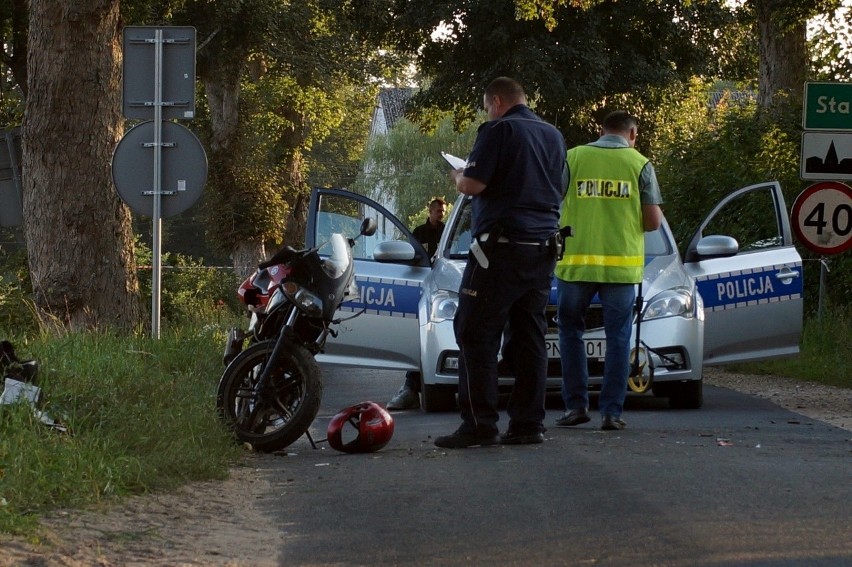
(734, 293)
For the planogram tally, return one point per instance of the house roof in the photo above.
(392, 104)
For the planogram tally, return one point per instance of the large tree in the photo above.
(79, 240)
(279, 77)
(570, 63)
(784, 58)
(574, 55)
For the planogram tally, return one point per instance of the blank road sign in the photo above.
(184, 169)
(178, 72)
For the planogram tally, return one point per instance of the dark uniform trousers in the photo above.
(515, 290)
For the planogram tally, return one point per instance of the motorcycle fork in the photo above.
(261, 389)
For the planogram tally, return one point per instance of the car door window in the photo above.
(337, 213)
(459, 241)
(745, 219)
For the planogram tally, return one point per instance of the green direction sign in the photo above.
(828, 106)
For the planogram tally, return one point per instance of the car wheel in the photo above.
(438, 397)
(687, 395)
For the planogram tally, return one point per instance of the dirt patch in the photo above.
(210, 523)
(207, 523)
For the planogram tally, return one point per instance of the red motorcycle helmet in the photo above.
(374, 427)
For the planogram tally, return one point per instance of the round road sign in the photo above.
(822, 217)
(183, 166)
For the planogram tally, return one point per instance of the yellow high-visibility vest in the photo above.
(603, 207)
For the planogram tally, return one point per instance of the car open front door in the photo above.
(386, 334)
(749, 276)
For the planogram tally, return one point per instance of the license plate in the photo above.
(595, 348)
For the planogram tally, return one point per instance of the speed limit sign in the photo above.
(822, 217)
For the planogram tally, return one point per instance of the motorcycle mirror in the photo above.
(368, 227)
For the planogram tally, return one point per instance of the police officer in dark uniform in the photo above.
(515, 176)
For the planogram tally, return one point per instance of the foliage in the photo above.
(404, 167)
(829, 42)
(140, 415)
(301, 75)
(590, 54)
(702, 153)
(335, 160)
(190, 292)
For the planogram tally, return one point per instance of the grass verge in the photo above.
(140, 415)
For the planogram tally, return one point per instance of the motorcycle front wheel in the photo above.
(271, 420)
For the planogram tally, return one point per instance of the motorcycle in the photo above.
(270, 392)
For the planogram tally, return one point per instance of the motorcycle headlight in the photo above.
(306, 301)
(675, 302)
(444, 306)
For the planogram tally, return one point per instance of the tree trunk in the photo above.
(246, 256)
(222, 87)
(294, 233)
(79, 236)
(221, 79)
(783, 55)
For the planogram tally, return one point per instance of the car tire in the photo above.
(438, 397)
(687, 395)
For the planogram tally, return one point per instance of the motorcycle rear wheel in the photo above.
(272, 422)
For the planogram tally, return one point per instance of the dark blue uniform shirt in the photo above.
(520, 158)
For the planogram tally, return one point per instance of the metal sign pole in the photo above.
(823, 274)
(158, 148)
(184, 166)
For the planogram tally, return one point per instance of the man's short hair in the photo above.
(508, 89)
(618, 121)
(437, 201)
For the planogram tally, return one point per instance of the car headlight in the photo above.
(444, 306)
(675, 302)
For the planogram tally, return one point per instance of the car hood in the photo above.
(661, 273)
(446, 274)
(665, 272)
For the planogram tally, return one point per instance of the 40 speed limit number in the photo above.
(822, 217)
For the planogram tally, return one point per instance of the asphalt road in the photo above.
(740, 482)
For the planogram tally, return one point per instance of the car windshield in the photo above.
(657, 242)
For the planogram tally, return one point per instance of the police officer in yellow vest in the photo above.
(612, 198)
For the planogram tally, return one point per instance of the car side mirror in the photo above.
(717, 246)
(368, 227)
(393, 251)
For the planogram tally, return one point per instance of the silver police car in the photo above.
(734, 293)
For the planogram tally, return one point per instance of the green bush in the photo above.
(190, 292)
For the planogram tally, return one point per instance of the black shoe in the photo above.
(610, 423)
(521, 437)
(573, 417)
(462, 439)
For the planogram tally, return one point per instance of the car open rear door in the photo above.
(752, 292)
(386, 334)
